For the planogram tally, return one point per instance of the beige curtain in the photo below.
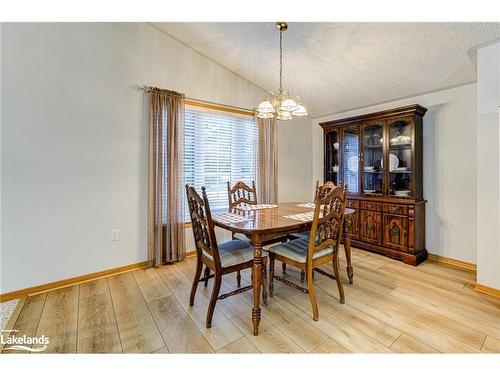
(166, 241)
(267, 161)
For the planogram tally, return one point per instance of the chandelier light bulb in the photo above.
(289, 105)
(284, 115)
(300, 111)
(265, 107)
(265, 115)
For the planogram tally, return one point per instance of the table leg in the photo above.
(256, 281)
(347, 248)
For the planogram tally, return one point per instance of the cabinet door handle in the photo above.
(369, 206)
(394, 209)
(370, 227)
(394, 231)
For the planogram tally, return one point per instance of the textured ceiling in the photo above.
(340, 66)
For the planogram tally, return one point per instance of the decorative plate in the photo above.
(393, 162)
(352, 163)
(402, 192)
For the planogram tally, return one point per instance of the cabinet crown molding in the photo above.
(409, 110)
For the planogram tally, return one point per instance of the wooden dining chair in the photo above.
(320, 248)
(222, 259)
(240, 194)
(319, 192)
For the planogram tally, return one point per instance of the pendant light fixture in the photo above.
(283, 105)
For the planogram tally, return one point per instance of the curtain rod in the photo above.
(219, 107)
(204, 103)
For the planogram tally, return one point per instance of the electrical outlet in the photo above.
(114, 235)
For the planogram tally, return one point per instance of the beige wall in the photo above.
(449, 167)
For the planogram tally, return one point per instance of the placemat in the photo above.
(229, 218)
(306, 216)
(254, 207)
(307, 205)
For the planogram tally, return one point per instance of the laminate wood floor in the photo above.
(391, 307)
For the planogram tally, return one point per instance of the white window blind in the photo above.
(218, 147)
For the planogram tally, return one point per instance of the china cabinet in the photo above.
(379, 156)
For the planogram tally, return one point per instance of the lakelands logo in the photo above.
(23, 343)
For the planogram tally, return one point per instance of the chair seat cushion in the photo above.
(297, 250)
(272, 240)
(241, 237)
(304, 235)
(234, 252)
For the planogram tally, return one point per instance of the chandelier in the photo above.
(282, 105)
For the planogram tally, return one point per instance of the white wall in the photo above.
(0, 157)
(449, 167)
(488, 166)
(74, 142)
(73, 137)
(295, 160)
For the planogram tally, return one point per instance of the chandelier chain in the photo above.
(281, 61)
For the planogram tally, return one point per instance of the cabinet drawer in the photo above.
(396, 209)
(352, 204)
(372, 206)
(371, 227)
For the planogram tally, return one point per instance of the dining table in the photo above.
(261, 223)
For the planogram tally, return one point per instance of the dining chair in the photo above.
(240, 194)
(222, 259)
(320, 248)
(319, 192)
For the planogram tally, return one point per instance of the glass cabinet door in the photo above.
(373, 153)
(332, 161)
(400, 158)
(350, 161)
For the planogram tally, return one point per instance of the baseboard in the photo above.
(71, 281)
(487, 290)
(453, 262)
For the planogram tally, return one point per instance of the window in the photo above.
(218, 147)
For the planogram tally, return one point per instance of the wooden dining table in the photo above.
(265, 224)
